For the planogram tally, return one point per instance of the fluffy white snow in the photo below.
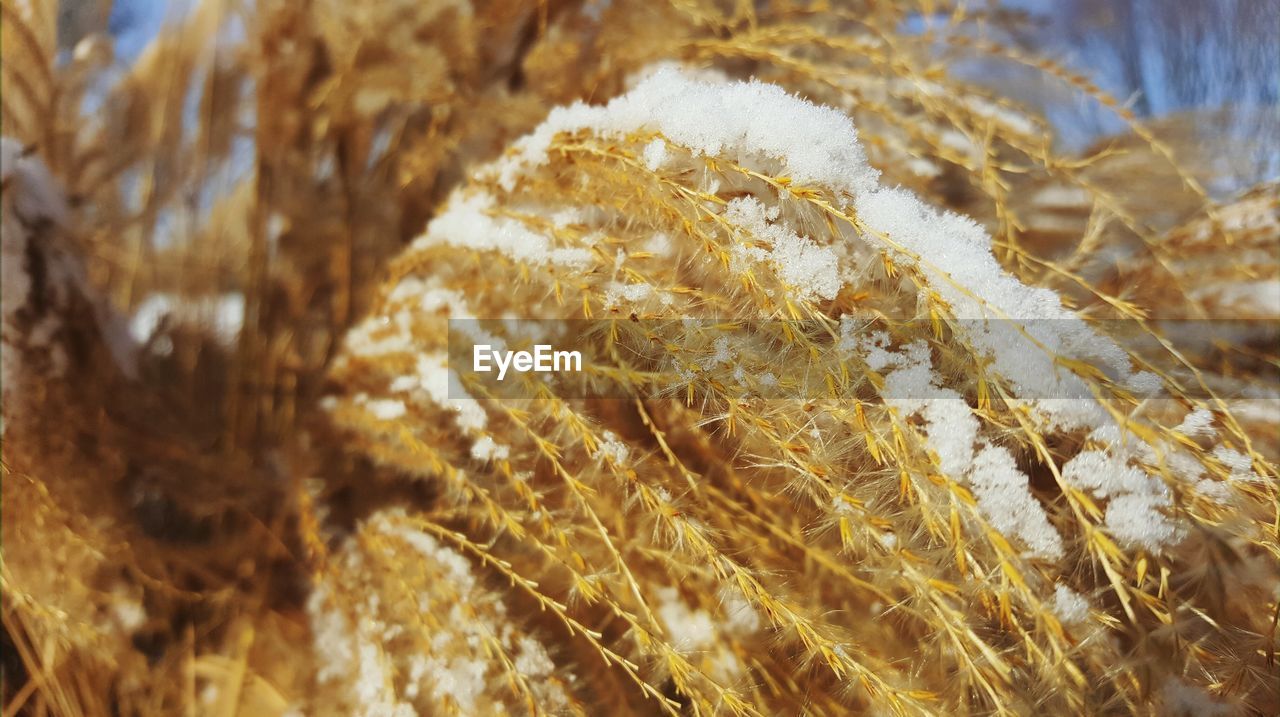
(386, 409)
(655, 154)
(1000, 314)
(818, 146)
(951, 431)
(815, 145)
(812, 271)
(618, 294)
(1197, 423)
(1135, 498)
(359, 645)
(441, 382)
(1019, 332)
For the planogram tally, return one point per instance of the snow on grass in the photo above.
(612, 448)
(810, 270)
(385, 409)
(951, 432)
(1070, 606)
(1005, 498)
(659, 245)
(221, 315)
(618, 294)
(389, 663)
(1135, 499)
(655, 154)
(818, 146)
(1018, 327)
(1018, 332)
(441, 382)
(1183, 699)
(1197, 423)
(468, 223)
(815, 145)
(486, 449)
(690, 630)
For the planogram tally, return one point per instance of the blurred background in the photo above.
(1180, 62)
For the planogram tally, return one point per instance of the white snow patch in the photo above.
(690, 630)
(466, 223)
(655, 154)
(1197, 423)
(612, 448)
(486, 449)
(815, 145)
(386, 409)
(1182, 699)
(811, 270)
(951, 431)
(1070, 606)
(1135, 498)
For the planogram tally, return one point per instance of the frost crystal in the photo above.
(1135, 519)
(1197, 423)
(1240, 465)
(617, 294)
(533, 660)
